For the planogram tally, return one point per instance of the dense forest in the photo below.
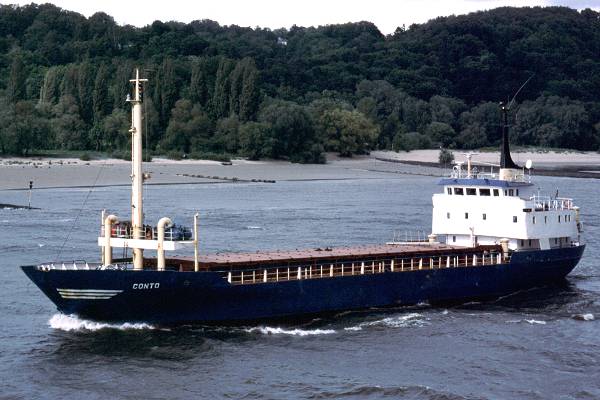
(295, 94)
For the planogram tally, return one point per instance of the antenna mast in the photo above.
(137, 210)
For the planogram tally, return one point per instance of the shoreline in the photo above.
(65, 173)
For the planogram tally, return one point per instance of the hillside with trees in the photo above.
(295, 94)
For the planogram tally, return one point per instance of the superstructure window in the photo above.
(496, 192)
(458, 191)
(471, 192)
(454, 238)
(559, 219)
(545, 219)
(484, 216)
(511, 192)
(484, 192)
(517, 190)
(466, 215)
(534, 220)
(514, 218)
(449, 190)
(448, 215)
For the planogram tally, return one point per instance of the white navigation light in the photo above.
(528, 164)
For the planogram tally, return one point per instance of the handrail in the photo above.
(173, 233)
(546, 203)
(363, 267)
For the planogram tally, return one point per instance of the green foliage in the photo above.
(190, 128)
(347, 132)
(411, 141)
(292, 132)
(16, 82)
(446, 156)
(344, 88)
(256, 140)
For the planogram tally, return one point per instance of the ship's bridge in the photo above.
(482, 210)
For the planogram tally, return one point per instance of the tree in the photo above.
(85, 89)
(199, 82)
(16, 82)
(70, 130)
(50, 91)
(255, 140)
(293, 134)
(445, 157)
(440, 133)
(250, 92)
(348, 132)
(220, 99)
(114, 130)
(22, 128)
(190, 128)
(100, 99)
(226, 134)
(411, 141)
(167, 90)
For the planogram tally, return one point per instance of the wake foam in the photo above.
(528, 321)
(402, 321)
(267, 330)
(70, 323)
(584, 317)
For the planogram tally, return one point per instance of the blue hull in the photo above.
(206, 297)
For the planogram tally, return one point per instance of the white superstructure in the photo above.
(484, 209)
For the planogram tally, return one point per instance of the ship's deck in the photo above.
(284, 257)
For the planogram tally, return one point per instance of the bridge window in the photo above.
(484, 217)
(458, 191)
(505, 192)
(449, 190)
(471, 192)
(466, 215)
(496, 192)
(484, 192)
(514, 218)
(511, 192)
(454, 238)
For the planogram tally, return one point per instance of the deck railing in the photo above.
(339, 269)
(81, 265)
(545, 203)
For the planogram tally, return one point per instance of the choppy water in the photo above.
(539, 344)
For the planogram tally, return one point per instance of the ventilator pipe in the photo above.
(108, 221)
(504, 243)
(160, 252)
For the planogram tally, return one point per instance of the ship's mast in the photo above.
(137, 210)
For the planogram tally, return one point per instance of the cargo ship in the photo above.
(492, 234)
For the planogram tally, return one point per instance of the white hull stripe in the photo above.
(90, 294)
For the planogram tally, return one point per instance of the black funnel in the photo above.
(505, 159)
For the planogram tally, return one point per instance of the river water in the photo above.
(539, 344)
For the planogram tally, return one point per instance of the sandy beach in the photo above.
(71, 172)
(545, 160)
